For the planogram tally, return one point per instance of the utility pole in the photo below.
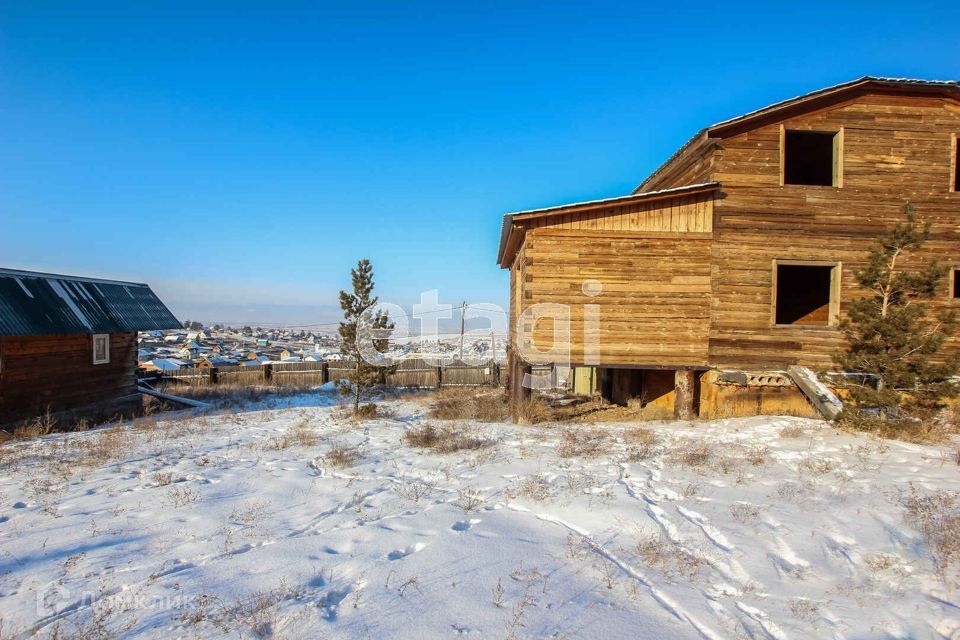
(463, 315)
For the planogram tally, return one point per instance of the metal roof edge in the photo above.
(20, 273)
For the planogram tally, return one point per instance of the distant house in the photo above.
(68, 345)
(164, 364)
(209, 363)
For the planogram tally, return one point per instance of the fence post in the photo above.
(324, 373)
(267, 372)
(214, 378)
(439, 376)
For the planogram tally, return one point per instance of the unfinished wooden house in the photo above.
(736, 256)
(68, 345)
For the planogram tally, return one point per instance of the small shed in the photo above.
(68, 345)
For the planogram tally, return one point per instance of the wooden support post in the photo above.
(684, 386)
(439, 376)
(519, 394)
(324, 373)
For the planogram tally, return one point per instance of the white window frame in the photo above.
(106, 338)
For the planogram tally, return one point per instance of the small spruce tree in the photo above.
(359, 316)
(892, 338)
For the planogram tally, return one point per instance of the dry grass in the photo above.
(670, 559)
(535, 488)
(369, 411)
(300, 434)
(182, 496)
(102, 446)
(756, 455)
(936, 429)
(480, 404)
(937, 517)
(641, 443)
(586, 443)
(39, 426)
(792, 431)
(534, 410)
(342, 457)
(445, 439)
(469, 499)
(691, 452)
(744, 513)
(232, 394)
(817, 465)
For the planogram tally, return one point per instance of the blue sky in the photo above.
(241, 156)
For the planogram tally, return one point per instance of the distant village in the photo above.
(197, 346)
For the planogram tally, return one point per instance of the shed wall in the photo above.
(56, 372)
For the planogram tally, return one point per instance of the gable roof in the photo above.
(706, 137)
(806, 103)
(33, 304)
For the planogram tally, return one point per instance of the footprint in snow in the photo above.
(329, 605)
(464, 525)
(399, 554)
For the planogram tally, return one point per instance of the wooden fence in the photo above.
(411, 373)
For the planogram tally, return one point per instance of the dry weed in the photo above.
(443, 439)
(744, 513)
(469, 499)
(670, 559)
(691, 452)
(535, 487)
(585, 443)
(533, 410)
(481, 405)
(937, 517)
(182, 496)
(817, 465)
(792, 431)
(342, 457)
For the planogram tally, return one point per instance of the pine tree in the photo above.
(358, 318)
(891, 336)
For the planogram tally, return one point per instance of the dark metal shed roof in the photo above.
(33, 304)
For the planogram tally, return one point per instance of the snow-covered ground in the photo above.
(236, 524)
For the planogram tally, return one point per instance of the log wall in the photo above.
(894, 150)
(56, 373)
(655, 299)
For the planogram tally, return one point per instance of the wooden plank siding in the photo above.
(895, 149)
(56, 372)
(680, 214)
(654, 267)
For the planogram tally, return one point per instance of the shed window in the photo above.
(811, 158)
(101, 348)
(805, 294)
